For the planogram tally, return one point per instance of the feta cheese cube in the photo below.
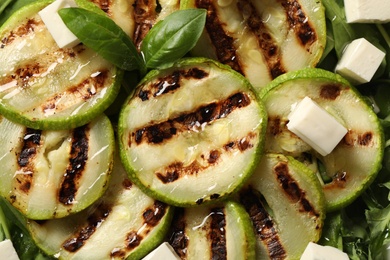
(57, 28)
(315, 126)
(359, 62)
(164, 251)
(314, 251)
(367, 11)
(7, 250)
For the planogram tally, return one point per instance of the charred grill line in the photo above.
(21, 31)
(299, 22)
(84, 90)
(171, 82)
(158, 133)
(178, 239)
(93, 222)
(177, 170)
(77, 162)
(262, 223)
(217, 234)
(292, 189)
(144, 18)
(223, 43)
(269, 48)
(31, 141)
(104, 5)
(152, 217)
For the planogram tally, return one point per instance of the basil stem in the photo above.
(170, 39)
(104, 36)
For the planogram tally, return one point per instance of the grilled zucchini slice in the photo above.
(45, 87)
(124, 223)
(219, 231)
(355, 161)
(51, 174)
(262, 39)
(286, 205)
(192, 133)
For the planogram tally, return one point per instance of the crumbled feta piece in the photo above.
(315, 126)
(7, 250)
(164, 251)
(57, 28)
(367, 11)
(314, 251)
(359, 62)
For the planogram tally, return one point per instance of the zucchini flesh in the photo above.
(355, 161)
(123, 223)
(51, 174)
(262, 39)
(192, 133)
(45, 87)
(221, 231)
(287, 207)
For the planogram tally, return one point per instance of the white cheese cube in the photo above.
(315, 126)
(314, 251)
(359, 62)
(367, 11)
(7, 250)
(57, 28)
(164, 251)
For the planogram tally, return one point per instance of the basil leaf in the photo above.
(104, 36)
(170, 39)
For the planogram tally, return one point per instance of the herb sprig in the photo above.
(167, 41)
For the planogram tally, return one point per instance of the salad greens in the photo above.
(361, 229)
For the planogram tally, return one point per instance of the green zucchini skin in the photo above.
(219, 231)
(45, 87)
(53, 173)
(356, 160)
(123, 224)
(285, 202)
(262, 39)
(193, 133)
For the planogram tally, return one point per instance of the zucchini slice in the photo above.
(51, 174)
(262, 39)
(286, 205)
(355, 161)
(192, 133)
(45, 87)
(219, 231)
(124, 223)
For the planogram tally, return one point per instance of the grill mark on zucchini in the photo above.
(292, 189)
(84, 233)
(152, 217)
(170, 82)
(353, 138)
(85, 90)
(144, 18)
(268, 46)
(31, 142)
(178, 238)
(206, 114)
(223, 43)
(217, 234)
(177, 170)
(262, 223)
(330, 91)
(299, 22)
(104, 5)
(22, 31)
(76, 167)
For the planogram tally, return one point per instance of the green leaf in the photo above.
(104, 36)
(172, 38)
